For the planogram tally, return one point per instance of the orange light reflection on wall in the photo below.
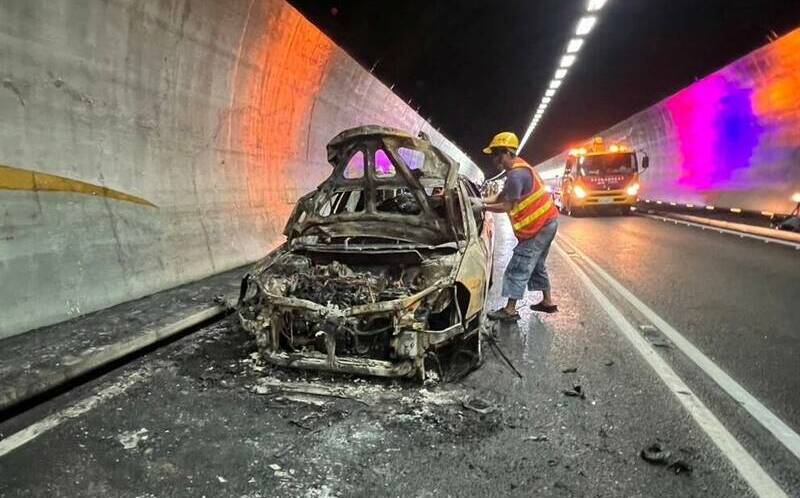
(276, 102)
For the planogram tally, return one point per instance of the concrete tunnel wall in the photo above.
(731, 139)
(147, 144)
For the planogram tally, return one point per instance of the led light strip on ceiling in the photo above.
(576, 42)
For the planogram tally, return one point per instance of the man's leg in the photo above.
(540, 280)
(515, 279)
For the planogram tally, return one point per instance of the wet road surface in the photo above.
(202, 418)
(735, 299)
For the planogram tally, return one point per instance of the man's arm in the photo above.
(497, 207)
(502, 202)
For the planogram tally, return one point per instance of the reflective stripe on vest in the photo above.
(533, 216)
(534, 210)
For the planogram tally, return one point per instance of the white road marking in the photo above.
(761, 413)
(768, 240)
(761, 483)
(31, 432)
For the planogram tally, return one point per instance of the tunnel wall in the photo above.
(731, 139)
(148, 144)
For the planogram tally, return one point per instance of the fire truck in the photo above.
(600, 179)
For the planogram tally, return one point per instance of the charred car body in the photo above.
(384, 264)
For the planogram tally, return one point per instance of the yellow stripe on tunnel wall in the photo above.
(25, 179)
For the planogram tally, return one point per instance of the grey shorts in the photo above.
(527, 265)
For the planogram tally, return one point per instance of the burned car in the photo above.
(385, 263)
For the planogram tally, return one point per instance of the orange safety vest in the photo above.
(532, 212)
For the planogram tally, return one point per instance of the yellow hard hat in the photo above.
(503, 139)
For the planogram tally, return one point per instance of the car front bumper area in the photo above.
(359, 366)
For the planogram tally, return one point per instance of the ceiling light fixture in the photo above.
(595, 5)
(585, 25)
(574, 45)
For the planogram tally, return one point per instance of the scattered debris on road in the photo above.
(478, 405)
(656, 454)
(680, 467)
(536, 439)
(131, 439)
(575, 392)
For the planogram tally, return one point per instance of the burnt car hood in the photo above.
(430, 220)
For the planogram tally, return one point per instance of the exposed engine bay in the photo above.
(317, 304)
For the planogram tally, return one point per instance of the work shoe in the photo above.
(503, 315)
(544, 308)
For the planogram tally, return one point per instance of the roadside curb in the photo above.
(11, 396)
(766, 234)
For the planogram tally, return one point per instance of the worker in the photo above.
(534, 219)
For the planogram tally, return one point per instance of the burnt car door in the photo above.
(477, 261)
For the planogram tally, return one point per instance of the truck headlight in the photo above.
(579, 192)
(633, 189)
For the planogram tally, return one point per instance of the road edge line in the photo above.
(750, 470)
(31, 432)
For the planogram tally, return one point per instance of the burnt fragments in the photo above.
(338, 284)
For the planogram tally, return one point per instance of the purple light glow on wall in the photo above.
(717, 131)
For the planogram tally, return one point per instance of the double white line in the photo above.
(761, 483)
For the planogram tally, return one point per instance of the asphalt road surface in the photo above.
(201, 417)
